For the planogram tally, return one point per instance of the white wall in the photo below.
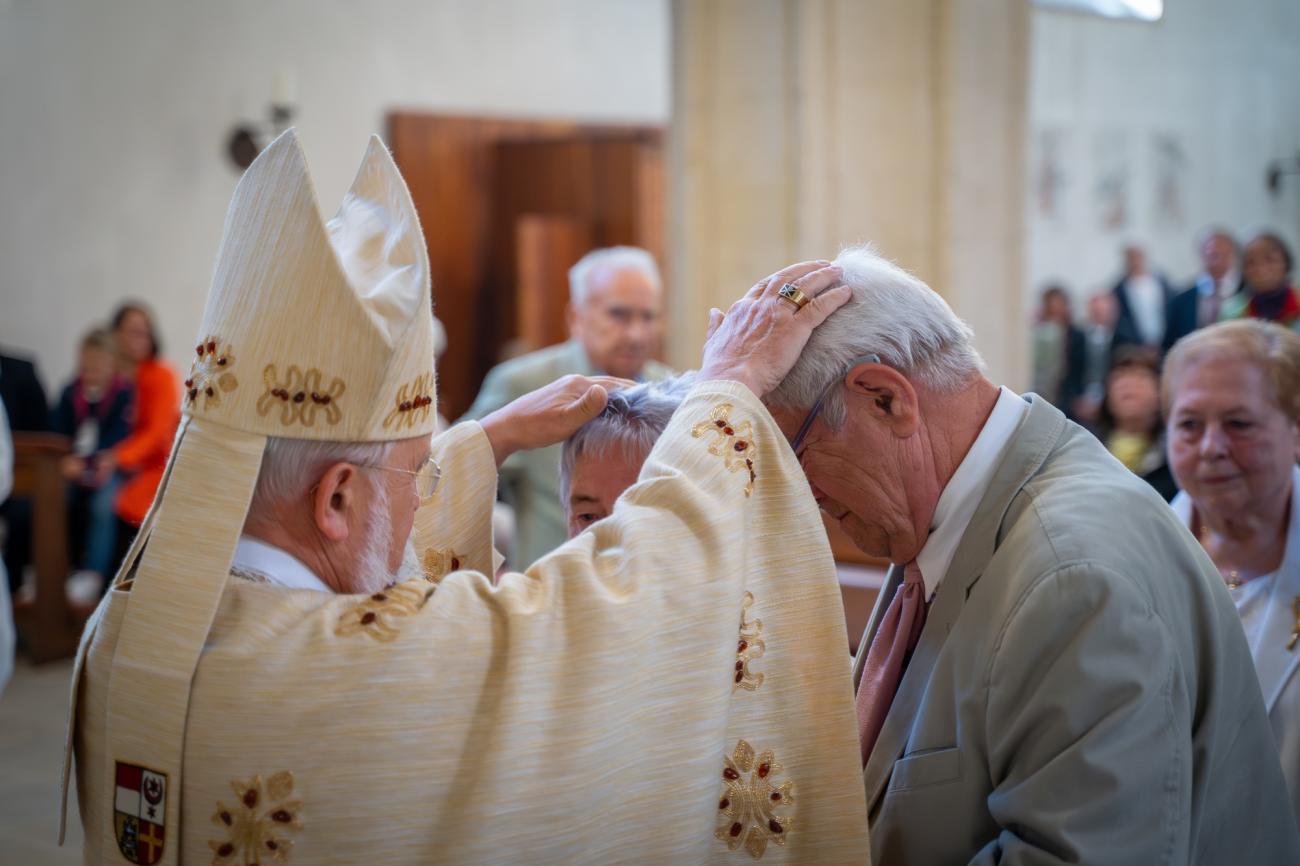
(1220, 78)
(114, 117)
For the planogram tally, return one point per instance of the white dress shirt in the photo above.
(1146, 299)
(962, 495)
(256, 559)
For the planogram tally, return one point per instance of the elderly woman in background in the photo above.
(1232, 397)
(1129, 422)
(604, 456)
(1269, 295)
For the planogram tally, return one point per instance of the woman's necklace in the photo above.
(1231, 577)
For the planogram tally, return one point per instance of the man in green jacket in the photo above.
(615, 316)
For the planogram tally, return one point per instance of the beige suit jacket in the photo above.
(530, 480)
(1082, 691)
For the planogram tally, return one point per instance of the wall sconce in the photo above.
(1276, 169)
(247, 139)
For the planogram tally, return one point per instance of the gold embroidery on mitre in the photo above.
(375, 614)
(733, 442)
(253, 826)
(210, 374)
(753, 811)
(748, 647)
(437, 564)
(412, 399)
(300, 396)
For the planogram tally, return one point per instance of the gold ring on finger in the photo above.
(789, 293)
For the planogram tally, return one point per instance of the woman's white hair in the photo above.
(630, 258)
(892, 314)
(630, 423)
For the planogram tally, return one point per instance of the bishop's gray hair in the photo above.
(631, 422)
(291, 467)
(891, 314)
(631, 258)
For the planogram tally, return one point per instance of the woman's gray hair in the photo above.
(291, 467)
(631, 422)
(892, 314)
(631, 258)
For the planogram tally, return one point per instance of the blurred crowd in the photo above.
(119, 414)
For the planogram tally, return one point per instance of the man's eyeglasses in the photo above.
(817, 407)
(426, 477)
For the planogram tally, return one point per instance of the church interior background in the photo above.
(992, 147)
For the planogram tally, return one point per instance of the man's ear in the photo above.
(336, 500)
(886, 396)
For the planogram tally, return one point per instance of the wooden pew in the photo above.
(48, 626)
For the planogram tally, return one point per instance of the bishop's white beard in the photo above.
(372, 566)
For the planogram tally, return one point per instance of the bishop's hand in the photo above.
(548, 415)
(758, 340)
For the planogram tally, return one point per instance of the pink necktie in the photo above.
(899, 630)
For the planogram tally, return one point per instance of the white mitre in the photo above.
(670, 686)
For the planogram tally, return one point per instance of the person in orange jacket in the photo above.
(142, 456)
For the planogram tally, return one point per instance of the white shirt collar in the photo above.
(962, 495)
(276, 565)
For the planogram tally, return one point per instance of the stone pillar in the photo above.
(800, 126)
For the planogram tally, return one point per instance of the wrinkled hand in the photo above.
(548, 415)
(758, 340)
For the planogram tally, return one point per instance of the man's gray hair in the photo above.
(631, 258)
(891, 314)
(291, 467)
(631, 422)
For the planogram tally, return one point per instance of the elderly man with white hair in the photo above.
(1053, 672)
(615, 312)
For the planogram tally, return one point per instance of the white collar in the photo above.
(962, 495)
(278, 566)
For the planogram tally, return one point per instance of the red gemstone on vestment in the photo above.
(724, 803)
(272, 844)
(226, 850)
(455, 563)
(741, 445)
(776, 796)
(221, 362)
(225, 818)
(282, 816)
(720, 423)
(740, 675)
(194, 392)
(299, 397)
(325, 399)
(775, 826)
(208, 391)
(199, 349)
(729, 773)
(212, 347)
(189, 383)
(250, 797)
(368, 617)
(736, 828)
(740, 666)
(763, 770)
(728, 431)
(742, 646)
(379, 596)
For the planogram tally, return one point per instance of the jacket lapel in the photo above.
(1030, 445)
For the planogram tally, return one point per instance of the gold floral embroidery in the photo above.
(748, 810)
(374, 614)
(412, 399)
(300, 396)
(437, 564)
(733, 442)
(210, 375)
(254, 824)
(749, 647)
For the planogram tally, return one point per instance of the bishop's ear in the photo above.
(336, 501)
(885, 396)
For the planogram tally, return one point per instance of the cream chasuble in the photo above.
(669, 686)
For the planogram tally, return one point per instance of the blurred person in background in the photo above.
(1129, 423)
(1266, 271)
(1059, 349)
(615, 312)
(141, 457)
(1232, 398)
(604, 456)
(94, 411)
(1142, 298)
(1088, 375)
(24, 399)
(1202, 302)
